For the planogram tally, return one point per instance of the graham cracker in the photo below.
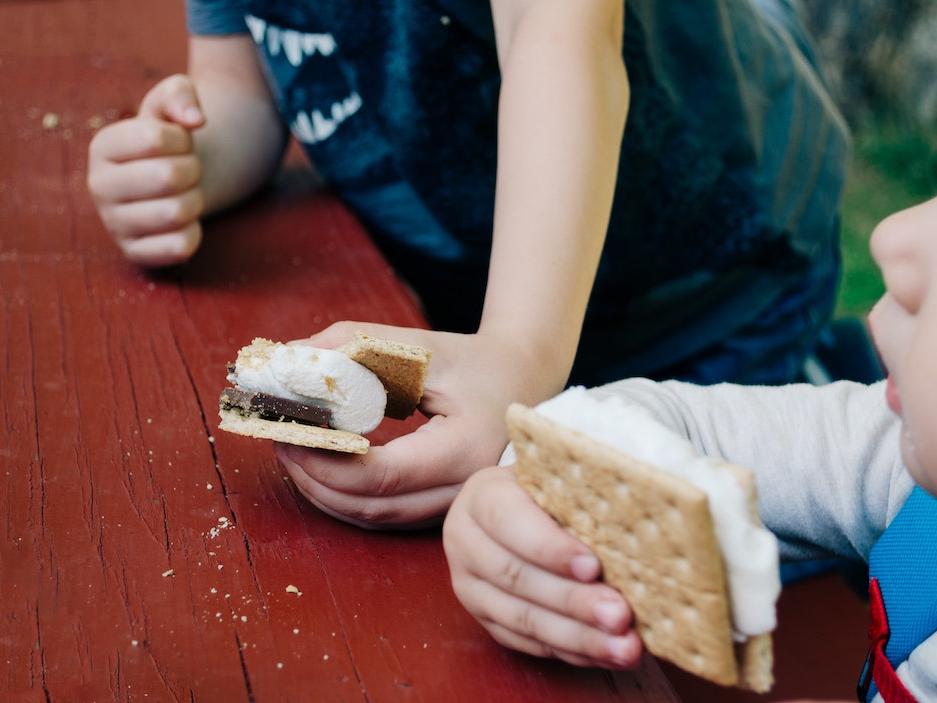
(293, 433)
(401, 367)
(654, 536)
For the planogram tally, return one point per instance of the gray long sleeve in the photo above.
(826, 459)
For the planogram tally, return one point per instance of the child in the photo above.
(844, 469)
(717, 263)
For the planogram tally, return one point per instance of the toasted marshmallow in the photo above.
(750, 552)
(354, 395)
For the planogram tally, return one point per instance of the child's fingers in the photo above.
(553, 630)
(174, 99)
(428, 457)
(592, 604)
(163, 249)
(512, 640)
(144, 179)
(420, 507)
(528, 532)
(144, 217)
(139, 138)
(338, 333)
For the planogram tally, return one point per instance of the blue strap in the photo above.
(904, 560)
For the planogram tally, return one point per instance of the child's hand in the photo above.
(411, 481)
(530, 583)
(144, 175)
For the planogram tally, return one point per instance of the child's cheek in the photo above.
(919, 449)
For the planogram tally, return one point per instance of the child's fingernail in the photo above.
(609, 613)
(192, 114)
(585, 567)
(621, 650)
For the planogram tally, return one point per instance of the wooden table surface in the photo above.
(144, 555)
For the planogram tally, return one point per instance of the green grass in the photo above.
(894, 166)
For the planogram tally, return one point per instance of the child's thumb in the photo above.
(174, 99)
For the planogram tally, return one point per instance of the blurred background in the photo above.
(880, 59)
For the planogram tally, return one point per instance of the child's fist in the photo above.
(531, 584)
(144, 176)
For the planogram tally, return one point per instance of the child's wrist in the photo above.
(544, 360)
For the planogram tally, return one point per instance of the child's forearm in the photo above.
(243, 139)
(564, 100)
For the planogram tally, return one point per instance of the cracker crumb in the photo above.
(208, 486)
(295, 630)
(243, 618)
(220, 567)
(325, 657)
(279, 665)
(227, 595)
(149, 420)
(213, 589)
(211, 439)
(50, 120)
(134, 643)
(169, 572)
(292, 589)
(96, 122)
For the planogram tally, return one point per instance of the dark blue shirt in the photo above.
(731, 168)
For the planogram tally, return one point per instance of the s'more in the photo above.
(322, 398)
(677, 533)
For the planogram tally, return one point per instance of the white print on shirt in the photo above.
(297, 46)
(311, 128)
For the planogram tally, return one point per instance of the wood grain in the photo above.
(142, 555)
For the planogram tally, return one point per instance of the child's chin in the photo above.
(923, 472)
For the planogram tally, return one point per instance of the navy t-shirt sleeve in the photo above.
(216, 16)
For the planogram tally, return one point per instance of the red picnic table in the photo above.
(143, 554)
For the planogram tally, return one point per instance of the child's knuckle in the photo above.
(152, 136)
(176, 212)
(386, 482)
(371, 512)
(97, 142)
(525, 621)
(177, 83)
(166, 174)
(511, 573)
(94, 184)
(573, 600)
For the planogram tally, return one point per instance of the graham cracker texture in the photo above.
(293, 433)
(402, 369)
(653, 534)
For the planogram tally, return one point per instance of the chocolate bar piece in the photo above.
(270, 407)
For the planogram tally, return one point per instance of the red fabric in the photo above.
(881, 670)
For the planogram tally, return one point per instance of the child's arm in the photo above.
(243, 140)
(828, 477)
(826, 459)
(564, 99)
(199, 142)
(563, 103)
